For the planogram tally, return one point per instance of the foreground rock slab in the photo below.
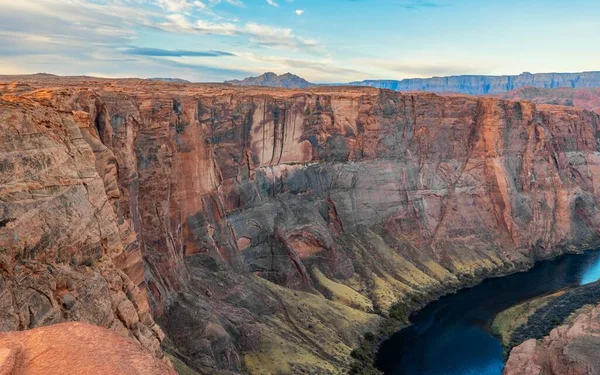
(75, 348)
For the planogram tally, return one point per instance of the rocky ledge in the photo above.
(267, 230)
(75, 348)
(570, 349)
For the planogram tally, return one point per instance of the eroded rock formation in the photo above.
(60, 240)
(269, 225)
(570, 349)
(581, 98)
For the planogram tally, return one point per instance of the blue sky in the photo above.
(320, 40)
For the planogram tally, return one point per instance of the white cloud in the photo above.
(272, 3)
(177, 21)
(81, 36)
(264, 35)
(269, 35)
(237, 3)
(278, 37)
(180, 23)
(224, 28)
(308, 42)
(299, 12)
(176, 5)
(115, 21)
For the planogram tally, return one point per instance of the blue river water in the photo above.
(451, 336)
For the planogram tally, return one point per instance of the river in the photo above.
(451, 336)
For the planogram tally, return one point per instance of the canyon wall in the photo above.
(60, 240)
(268, 226)
(580, 98)
(483, 85)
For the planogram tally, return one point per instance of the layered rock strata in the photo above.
(581, 98)
(570, 349)
(63, 254)
(269, 225)
(483, 85)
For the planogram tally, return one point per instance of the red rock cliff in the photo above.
(266, 224)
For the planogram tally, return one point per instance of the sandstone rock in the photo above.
(581, 98)
(75, 348)
(68, 301)
(54, 210)
(521, 361)
(126, 312)
(569, 349)
(7, 361)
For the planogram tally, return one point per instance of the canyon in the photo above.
(568, 89)
(484, 85)
(268, 230)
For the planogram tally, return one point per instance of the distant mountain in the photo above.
(582, 98)
(173, 80)
(287, 80)
(483, 85)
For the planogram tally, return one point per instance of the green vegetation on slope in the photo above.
(507, 321)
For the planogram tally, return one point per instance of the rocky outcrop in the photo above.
(570, 349)
(287, 80)
(268, 226)
(483, 85)
(581, 98)
(75, 348)
(63, 254)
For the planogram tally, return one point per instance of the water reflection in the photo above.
(451, 336)
(592, 271)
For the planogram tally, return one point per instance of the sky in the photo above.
(320, 40)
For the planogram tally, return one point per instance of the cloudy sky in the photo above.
(321, 40)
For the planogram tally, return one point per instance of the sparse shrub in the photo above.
(369, 336)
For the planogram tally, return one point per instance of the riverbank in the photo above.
(546, 313)
(399, 314)
(507, 321)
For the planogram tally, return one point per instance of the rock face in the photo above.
(268, 225)
(581, 98)
(64, 255)
(75, 348)
(482, 85)
(286, 80)
(569, 350)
